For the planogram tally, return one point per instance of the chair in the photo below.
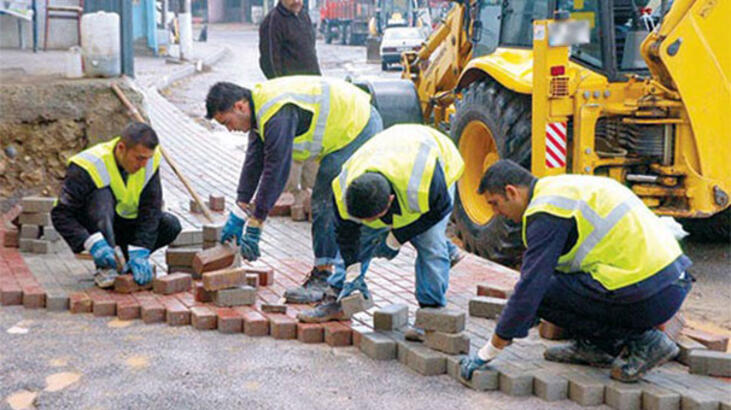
(63, 12)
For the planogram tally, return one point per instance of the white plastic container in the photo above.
(100, 44)
(73, 63)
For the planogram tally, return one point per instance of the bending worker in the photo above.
(598, 263)
(397, 188)
(112, 195)
(305, 118)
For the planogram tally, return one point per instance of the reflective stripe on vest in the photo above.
(101, 169)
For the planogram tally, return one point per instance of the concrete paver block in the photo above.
(203, 318)
(255, 324)
(355, 303)
(623, 396)
(686, 346)
(41, 219)
(37, 204)
(252, 279)
(282, 326)
(172, 283)
(391, 317)
(441, 320)
(215, 258)
(495, 290)
(449, 343)
(486, 307)
(30, 231)
(482, 380)
(25, 245)
(696, 401)
(423, 360)
(550, 386)
(57, 301)
(217, 203)
(378, 346)
(656, 398)
(585, 390)
(273, 308)
(229, 320)
(707, 362)
(188, 237)
(50, 234)
(266, 274)
(200, 294)
(80, 302)
(212, 232)
(180, 256)
(310, 333)
(337, 334)
(238, 296)
(515, 382)
(712, 341)
(224, 278)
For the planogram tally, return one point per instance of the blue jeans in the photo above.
(434, 252)
(324, 244)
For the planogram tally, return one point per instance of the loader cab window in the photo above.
(589, 10)
(489, 32)
(517, 21)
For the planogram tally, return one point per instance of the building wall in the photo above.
(61, 35)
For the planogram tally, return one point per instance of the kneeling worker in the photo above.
(400, 185)
(598, 263)
(112, 195)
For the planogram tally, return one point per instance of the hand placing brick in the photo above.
(173, 283)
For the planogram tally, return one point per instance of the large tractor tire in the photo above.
(490, 123)
(714, 229)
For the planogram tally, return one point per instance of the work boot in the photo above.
(414, 334)
(328, 310)
(644, 352)
(104, 278)
(579, 351)
(312, 289)
(456, 258)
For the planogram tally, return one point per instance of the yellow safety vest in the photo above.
(101, 165)
(406, 155)
(621, 242)
(339, 110)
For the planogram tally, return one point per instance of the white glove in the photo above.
(489, 351)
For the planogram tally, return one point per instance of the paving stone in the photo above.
(442, 320)
(180, 256)
(623, 396)
(57, 301)
(391, 317)
(210, 244)
(310, 333)
(176, 314)
(550, 386)
(37, 204)
(358, 332)
(30, 231)
(217, 203)
(104, 307)
(482, 380)
(203, 318)
(224, 278)
(80, 302)
(656, 398)
(355, 303)
(172, 283)
(687, 345)
(273, 308)
(188, 237)
(126, 284)
(215, 258)
(151, 309)
(34, 297)
(10, 238)
(50, 234)
(200, 294)
(712, 341)
(238, 296)
(697, 401)
(421, 359)
(230, 320)
(41, 246)
(25, 245)
(252, 279)
(128, 310)
(705, 362)
(585, 390)
(212, 232)
(378, 346)
(185, 269)
(282, 326)
(255, 324)
(514, 381)
(266, 274)
(549, 331)
(495, 290)
(41, 219)
(298, 213)
(402, 349)
(11, 293)
(194, 208)
(337, 334)
(486, 307)
(449, 343)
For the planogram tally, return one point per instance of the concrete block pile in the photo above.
(37, 234)
(227, 287)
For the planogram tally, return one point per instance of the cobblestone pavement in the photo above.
(212, 160)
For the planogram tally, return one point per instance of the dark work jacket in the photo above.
(287, 44)
(70, 213)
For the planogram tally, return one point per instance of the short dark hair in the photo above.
(223, 95)
(367, 195)
(503, 173)
(136, 133)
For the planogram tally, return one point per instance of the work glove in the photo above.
(250, 243)
(100, 250)
(389, 248)
(139, 265)
(354, 281)
(234, 225)
(468, 365)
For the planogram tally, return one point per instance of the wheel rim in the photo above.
(479, 151)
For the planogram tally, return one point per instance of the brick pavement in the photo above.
(212, 162)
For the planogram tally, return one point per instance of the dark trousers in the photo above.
(606, 322)
(119, 231)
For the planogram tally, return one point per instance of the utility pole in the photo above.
(185, 19)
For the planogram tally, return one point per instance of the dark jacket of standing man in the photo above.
(287, 42)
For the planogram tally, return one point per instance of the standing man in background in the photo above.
(287, 42)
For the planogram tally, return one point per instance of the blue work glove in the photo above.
(389, 248)
(357, 284)
(100, 250)
(139, 264)
(250, 243)
(234, 225)
(468, 365)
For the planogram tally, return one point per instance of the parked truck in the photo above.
(346, 20)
